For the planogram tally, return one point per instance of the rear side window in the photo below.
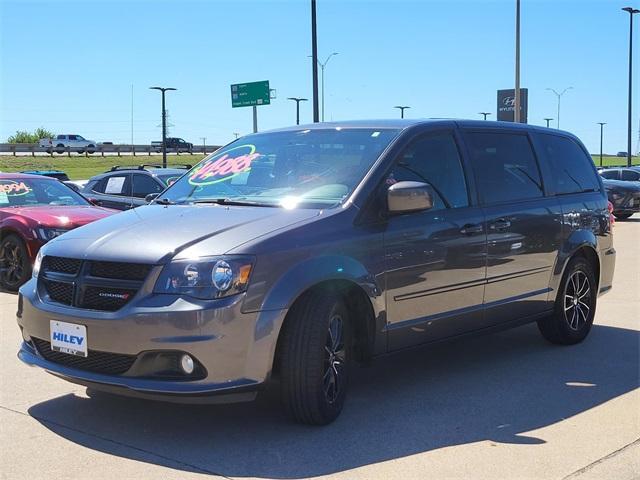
(572, 169)
(114, 185)
(630, 175)
(610, 174)
(505, 167)
(434, 159)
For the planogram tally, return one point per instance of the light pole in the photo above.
(164, 124)
(559, 95)
(298, 100)
(402, 109)
(314, 56)
(204, 144)
(484, 114)
(322, 66)
(516, 91)
(602, 124)
(548, 120)
(631, 11)
(236, 135)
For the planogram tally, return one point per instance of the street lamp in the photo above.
(559, 95)
(548, 120)
(298, 100)
(322, 65)
(631, 11)
(516, 91)
(602, 124)
(402, 109)
(164, 124)
(484, 114)
(314, 62)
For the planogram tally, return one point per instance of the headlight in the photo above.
(47, 234)
(36, 265)
(206, 278)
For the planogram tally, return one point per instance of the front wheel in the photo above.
(91, 149)
(15, 264)
(314, 358)
(575, 305)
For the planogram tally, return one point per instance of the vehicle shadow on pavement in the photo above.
(493, 388)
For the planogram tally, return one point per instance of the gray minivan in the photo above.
(295, 253)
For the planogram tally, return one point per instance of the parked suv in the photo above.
(298, 252)
(628, 174)
(127, 187)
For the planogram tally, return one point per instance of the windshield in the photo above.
(29, 192)
(306, 168)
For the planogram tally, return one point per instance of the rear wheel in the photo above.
(575, 305)
(60, 148)
(314, 358)
(622, 216)
(91, 149)
(15, 265)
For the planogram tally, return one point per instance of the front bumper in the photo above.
(235, 348)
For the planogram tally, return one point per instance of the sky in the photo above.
(71, 67)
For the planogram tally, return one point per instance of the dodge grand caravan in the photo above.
(296, 253)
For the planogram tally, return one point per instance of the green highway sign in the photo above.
(250, 94)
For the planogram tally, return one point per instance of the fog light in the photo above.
(186, 362)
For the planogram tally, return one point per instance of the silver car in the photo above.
(295, 253)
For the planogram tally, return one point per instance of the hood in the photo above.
(62, 216)
(621, 185)
(154, 234)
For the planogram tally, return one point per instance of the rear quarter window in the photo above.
(572, 170)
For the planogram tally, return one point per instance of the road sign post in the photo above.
(252, 94)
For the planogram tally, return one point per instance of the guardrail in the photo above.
(101, 149)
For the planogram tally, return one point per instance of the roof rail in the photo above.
(155, 165)
(122, 167)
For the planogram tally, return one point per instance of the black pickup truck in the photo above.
(175, 144)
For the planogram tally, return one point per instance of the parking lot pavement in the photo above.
(507, 405)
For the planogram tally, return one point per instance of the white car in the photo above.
(61, 142)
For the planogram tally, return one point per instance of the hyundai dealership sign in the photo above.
(507, 103)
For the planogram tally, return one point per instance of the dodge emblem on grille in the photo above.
(120, 296)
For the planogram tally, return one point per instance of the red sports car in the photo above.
(33, 210)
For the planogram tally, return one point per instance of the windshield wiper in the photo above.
(229, 201)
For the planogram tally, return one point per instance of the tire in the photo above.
(91, 149)
(60, 148)
(314, 356)
(622, 216)
(15, 264)
(575, 306)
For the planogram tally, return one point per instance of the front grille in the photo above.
(130, 271)
(98, 362)
(102, 298)
(61, 265)
(94, 285)
(60, 292)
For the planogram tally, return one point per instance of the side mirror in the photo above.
(406, 197)
(151, 197)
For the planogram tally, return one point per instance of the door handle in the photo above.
(501, 224)
(470, 229)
